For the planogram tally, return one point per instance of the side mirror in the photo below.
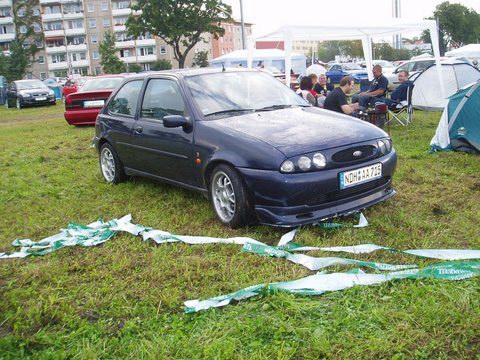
(173, 121)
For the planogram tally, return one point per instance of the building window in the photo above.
(144, 51)
(41, 59)
(94, 39)
(90, 7)
(23, 29)
(146, 66)
(104, 6)
(95, 55)
(43, 76)
(36, 11)
(58, 58)
(98, 71)
(75, 24)
(92, 23)
(106, 23)
(163, 50)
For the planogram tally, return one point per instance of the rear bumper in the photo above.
(82, 116)
(297, 199)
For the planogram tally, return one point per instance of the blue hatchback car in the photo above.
(257, 150)
(337, 71)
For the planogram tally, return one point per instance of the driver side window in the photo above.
(162, 98)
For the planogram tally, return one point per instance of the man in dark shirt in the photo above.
(377, 89)
(337, 99)
(398, 98)
(322, 87)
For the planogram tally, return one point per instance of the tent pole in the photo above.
(436, 52)
(367, 52)
(250, 52)
(288, 57)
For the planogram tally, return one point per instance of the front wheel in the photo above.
(230, 198)
(110, 165)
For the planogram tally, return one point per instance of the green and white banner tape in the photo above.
(98, 232)
(323, 282)
(315, 263)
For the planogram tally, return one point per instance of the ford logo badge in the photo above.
(357, 153)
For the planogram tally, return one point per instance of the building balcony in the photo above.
(78, 47)
(52, 17)
(80, 63)
(74, 15)
(58, 65)
(49, 2)
(78, 31)
(119, 28)
(147, 58)
(146, 42)
(53, 33)
(5, 3)
(120, 12)
(7, 37)
(6, 20)
(125, 44)
(56, 49)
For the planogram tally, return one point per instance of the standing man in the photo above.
(337, 99)
(378, 88)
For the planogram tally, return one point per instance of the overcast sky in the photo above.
(268, 15)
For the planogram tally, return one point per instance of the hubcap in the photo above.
(107, 163)
(223, 196)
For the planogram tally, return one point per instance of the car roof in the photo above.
(190, 72)
(25, 80)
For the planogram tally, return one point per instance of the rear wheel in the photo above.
(110, 165)
(230, 198)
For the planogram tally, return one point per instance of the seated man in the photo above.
(377, 89)
(398, 98)
(322, 87)
(337, 99)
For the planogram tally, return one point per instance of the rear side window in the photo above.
(125, 101)
(162, 98)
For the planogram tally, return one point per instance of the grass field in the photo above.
(124, 299)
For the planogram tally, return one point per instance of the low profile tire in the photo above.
(19, 104)
(110, 165)
(230, 198)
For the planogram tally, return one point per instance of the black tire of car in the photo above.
(119, 175)
(18, 104)
(243, 213)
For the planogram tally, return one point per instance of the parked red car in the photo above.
(83, 106)
(72, 85)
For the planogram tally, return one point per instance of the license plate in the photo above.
(94, 103)
(361, 175)
(40, 98)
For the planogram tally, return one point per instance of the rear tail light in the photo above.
(68, 102)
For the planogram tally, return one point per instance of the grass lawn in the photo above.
(124, 299)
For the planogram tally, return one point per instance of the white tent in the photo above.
(456, 75)
(316, 69)
(267, 57)
(468, 51)
(365, 31)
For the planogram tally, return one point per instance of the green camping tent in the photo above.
(459, 126)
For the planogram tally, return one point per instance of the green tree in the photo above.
(201, 59)
(134, 68)
(458, 25)
(180, 23)
(109, 60)
(329, 49)
(161, 65)
(28, 35)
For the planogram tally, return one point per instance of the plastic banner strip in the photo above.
(315, 263)
(322, 282)
(362, 222)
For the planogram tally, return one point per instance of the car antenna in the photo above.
(223, 67)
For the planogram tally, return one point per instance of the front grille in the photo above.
(349, 192)
(347, 154)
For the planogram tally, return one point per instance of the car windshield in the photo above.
(385, 64)
(30, 84)
(227, 93)
(352, 66)
(102, 83)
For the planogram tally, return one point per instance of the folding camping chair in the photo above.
(403, 115)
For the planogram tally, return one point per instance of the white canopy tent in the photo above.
(365, 32)
(468, 51)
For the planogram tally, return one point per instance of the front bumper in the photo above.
(304, 198)
(33, 102)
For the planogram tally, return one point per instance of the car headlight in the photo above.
(388, 143)
(51, 93)
(382, 147)
(304, 163)
(25, 95)
(288, 166)
(319, 160)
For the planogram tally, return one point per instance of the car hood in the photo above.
(301, 130)
(357, 72)
(35, 91)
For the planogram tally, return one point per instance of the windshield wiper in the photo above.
(231, 111)
(277, 107)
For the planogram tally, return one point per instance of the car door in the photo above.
(161, 151)
(119, 119)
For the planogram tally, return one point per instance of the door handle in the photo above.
(138, 129)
